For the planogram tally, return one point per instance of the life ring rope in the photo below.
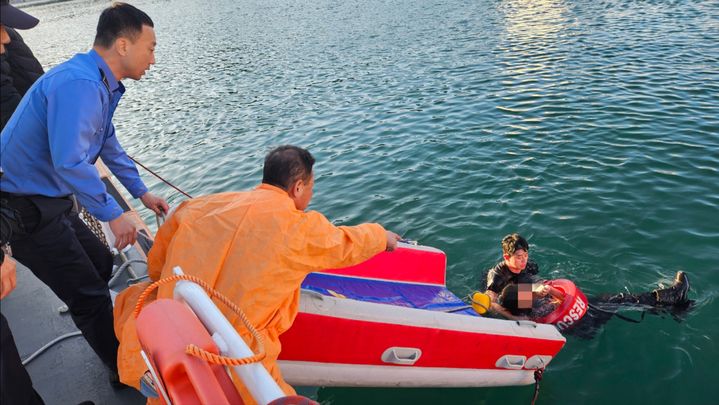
(192, 349)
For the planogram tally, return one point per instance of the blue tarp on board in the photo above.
(429, 297)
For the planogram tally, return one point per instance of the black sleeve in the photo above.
(22, 57)
(25, 69)
(495, 281)
(9, 96)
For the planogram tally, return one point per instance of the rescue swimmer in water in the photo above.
(255, 247)
(516, 292)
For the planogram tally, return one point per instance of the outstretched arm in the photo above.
(316, 244)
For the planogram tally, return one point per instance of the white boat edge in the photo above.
(301, 373)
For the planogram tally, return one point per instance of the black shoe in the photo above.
(86, 403)
(677, 293)
(115, 381)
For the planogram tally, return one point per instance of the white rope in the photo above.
(47, 346)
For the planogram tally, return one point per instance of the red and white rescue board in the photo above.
(342, 338)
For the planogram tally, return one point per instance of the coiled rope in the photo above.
(193, 349)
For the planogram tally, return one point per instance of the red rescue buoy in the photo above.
(572, 308)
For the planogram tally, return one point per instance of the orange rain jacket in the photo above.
(254, 247)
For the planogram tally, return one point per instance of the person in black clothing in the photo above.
(514, 269)
(601, 308)
(19, 68)
(15, 383)
(518, 293)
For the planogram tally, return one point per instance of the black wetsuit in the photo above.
(602, 308)
(500, 276)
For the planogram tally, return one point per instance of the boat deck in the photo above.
(69, 372)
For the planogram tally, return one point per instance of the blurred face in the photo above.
(517, 261)
(4, 38)
(524, 296)
(138, 56)
(302, 191)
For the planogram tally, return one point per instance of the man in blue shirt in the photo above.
(47, 152)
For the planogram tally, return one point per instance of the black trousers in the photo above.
(602, 308)
(62, 252)
(15, 384)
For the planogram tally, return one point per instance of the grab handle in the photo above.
(511, 362)
(405, 356)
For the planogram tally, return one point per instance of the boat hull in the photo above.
(340, 341)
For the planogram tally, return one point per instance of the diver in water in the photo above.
(519, 300)
(515, 268)
(518, 293)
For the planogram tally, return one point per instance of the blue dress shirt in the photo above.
(59, 129)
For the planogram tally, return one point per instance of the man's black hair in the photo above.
(285, 165)
(120, 20)
(509, 299)
(513, 242)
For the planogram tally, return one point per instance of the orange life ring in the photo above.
(572, 309)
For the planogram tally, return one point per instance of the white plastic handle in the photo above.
(511, 362)
(406, 356)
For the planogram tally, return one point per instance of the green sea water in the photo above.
(591, 127)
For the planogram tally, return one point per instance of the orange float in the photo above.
(165, 329)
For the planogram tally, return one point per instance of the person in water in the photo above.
(521, 303)
(255, 247)
(518, 293)
(515, 268)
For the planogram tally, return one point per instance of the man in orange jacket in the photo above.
(255, 247)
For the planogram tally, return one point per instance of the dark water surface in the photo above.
(592, 127)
